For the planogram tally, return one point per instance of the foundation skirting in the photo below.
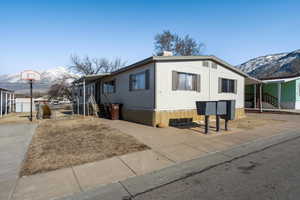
(162, 118)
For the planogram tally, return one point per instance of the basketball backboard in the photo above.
(30, 75)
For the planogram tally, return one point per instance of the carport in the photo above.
(7, 101)
(256, 98)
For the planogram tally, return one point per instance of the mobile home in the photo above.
(161, 88)
(276, 93)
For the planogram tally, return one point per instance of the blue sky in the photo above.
(43, 34)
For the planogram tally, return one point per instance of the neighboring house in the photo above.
(6, 101)
(160, 89)
(277, 93)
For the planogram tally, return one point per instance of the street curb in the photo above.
(138, 185)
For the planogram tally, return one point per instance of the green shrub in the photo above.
(46, 111)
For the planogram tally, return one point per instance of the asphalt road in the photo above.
(273, 173)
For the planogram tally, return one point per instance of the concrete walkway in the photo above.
(14, 139)
(182, 181)
(169, 146)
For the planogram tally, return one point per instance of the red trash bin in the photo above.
(114, 111)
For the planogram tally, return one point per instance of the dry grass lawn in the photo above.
(64, 143)
(16, 118)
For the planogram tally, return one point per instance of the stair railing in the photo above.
(94, 105)
(270, 99)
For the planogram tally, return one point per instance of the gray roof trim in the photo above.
(90, 78)
(178, 59)
(196, 58)
(134, 65)
(6, 90)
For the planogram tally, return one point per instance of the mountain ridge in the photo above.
(48, 77)
(273, 65)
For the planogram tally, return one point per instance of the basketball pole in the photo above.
(30, 82)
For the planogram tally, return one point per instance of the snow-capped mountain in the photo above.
(48, 77)
(273, 65)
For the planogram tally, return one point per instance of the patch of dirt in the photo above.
(64, 143)
(251, 122)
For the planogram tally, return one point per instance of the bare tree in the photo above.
(88, 66)
(61, 88)
(164, 41)
(179, 46)
(187, 46)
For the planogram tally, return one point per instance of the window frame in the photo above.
(114, 88)
(234, 91)
(194, 87)
(132, 80)
(196, 81)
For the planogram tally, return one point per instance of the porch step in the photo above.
(103, 112)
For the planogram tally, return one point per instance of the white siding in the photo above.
(23, 105)
(140, 99)
(167, 99)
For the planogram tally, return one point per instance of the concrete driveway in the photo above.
(14, 140)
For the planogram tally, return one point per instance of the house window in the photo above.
(139, 81)
(227, 85)
(109, 87)
(80, 92)
(185, 81)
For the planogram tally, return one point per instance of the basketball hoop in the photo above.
(30, 75)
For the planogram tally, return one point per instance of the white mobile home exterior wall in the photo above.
(168, 99)
(160, 103)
